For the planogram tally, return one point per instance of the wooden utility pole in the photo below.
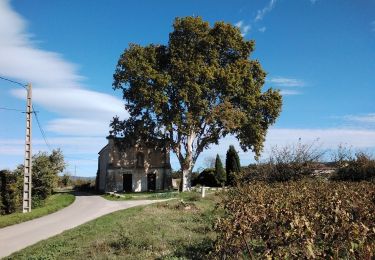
(28, 158)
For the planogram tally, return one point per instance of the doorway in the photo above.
(127, 182)
(151, 181)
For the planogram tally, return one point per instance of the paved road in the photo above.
(83, 209)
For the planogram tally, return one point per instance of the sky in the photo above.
(319, 53)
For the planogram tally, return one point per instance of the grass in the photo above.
(176, 229)
(53, 203)
(141, 196)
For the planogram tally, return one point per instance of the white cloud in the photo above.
(239, 24)
(88, 146)
(244, 28)
(72, 126)
(261, 13)
(368, 118)
(286, 82)
(262, 29)
(57, 86)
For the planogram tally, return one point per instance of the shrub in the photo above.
(360, 168)
(290, 162)
(207, 178)
(46, 168)
(84, 185)
(298, 219)
(65, 180)
(11, 191)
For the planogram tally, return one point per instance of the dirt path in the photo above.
(84, 209)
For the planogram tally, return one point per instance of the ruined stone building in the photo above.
(126, 166)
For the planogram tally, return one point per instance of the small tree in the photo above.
(221, 176)
(45, 173)
(232, 164)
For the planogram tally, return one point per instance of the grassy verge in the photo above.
(141, 196)
(53, 203)
(170, 230)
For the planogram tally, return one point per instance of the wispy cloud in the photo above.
(57, 85)
(262, 29)
(368, 118)
(261, 13)
(288, 86)
(286, 82)
(244, 28)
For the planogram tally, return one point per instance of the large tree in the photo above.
(193, 91)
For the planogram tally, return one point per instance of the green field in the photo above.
(180, 228)
(53, 203)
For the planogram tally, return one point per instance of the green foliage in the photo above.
(10, 191)
(198, 88)
(232, 164)
(207, 178)
(46, 168)
(298, 220)
(65, 180)
(220, 174)
(360, 168)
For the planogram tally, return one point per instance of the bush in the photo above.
(84, 185)
(290, 162)
(298, 219)
(10, 191)
(46, 168)
(65, 180)
(360, 168)
(207, 178)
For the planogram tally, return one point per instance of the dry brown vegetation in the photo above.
(298, 219)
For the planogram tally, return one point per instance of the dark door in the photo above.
(127, 182)
(151, 181)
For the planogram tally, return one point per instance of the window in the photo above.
(140, 160)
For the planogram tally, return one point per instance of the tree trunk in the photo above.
(186, 179)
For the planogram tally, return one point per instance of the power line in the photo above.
(41, 129)
(15, 82)
(12, 109)
(46, 140)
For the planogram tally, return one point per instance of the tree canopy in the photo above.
(199, 87)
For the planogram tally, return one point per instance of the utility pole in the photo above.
(26, 207)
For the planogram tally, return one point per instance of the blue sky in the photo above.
(321, 54)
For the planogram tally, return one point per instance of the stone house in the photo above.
(127, 166)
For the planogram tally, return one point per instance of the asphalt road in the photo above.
(83, 209)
